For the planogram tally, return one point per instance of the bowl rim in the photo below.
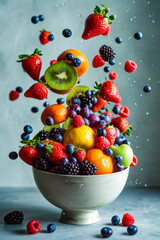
(81, 176)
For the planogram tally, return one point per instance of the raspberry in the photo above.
(87, 168)
(97, 61)
(130, 66)
(53, 62)
(78, 121)
(33, 226)
(127, 219)
(107, 53)
(102, 143)
(113, 75)
(134, 161)
(80, 155)
(124, 112)
(14, 217)
(13, 95)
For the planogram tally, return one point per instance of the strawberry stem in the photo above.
(103, 11)
(22, 57)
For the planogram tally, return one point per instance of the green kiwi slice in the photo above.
(78, 90)
(61, 77)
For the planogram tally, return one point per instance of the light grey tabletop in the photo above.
(142, 203)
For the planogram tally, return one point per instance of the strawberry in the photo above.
(111, 134)
(99, 104)
(97, 61)
(37, 91)
(53, 62)
(134, 161)
(28, 154)
(56, 151)
(97, 23)
(80, 155)
(108, 91)
(107, 31)
(43, 37)
(32, 64)
(13, 95)
(120, 123)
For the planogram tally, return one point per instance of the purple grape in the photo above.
(118, 167)
(72, 113)
(101, 123)
(85, 112)
(118, 132)
(75, 107)
(93, 118)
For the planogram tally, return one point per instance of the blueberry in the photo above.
(108, 151)
(118, 167)
(118, 40)
(102, 123)
(73, 159)
(13, 155)
(132, 230)
(90, 111)
(67, 33)
(76, 62)
(51, 228)
(106, 232)
(101, 132)
(127, 142)
(106, 118)
(28, 129)
(41, 17)
(75, 100)
(93, 92)
(115, 220)
(69, 56)
(39, 146)
(35, 19)
(94, 100)
(119, 140)
(106, 69)
(118, 158)
(51, 37)
(70, 148)
(115, 144)
(19, 89)
(88, 93)
(116, 109)
(79, 81)
(112, 62)
(138, 35)
(60, 100)
(34, 109)
(147, 88)
(64, 161)
(90, 105)
(58, 137)
(81, 97)
(87, 122)
(46, 104)
(49, 121)
(25, 136)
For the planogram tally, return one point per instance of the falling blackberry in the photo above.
(107, 53)
(69, 169)
(56, 131)
(42, 163)
(43, 135)
(14, 217)
(87, 168)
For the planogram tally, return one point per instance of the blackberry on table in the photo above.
(56, 131)
(107, 53)
(43, 135)
(42, 163)
(69, 169)
(14, 217)
(87, 168)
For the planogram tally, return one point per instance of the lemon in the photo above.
(83, 137)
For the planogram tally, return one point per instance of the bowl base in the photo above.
(79, 217)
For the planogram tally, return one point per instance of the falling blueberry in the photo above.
(138, 35)
(76, 62)
(118, 40)
(19, 89)
(34, 109)
(25, 136)
(57, 137)
(79, 81)
(116, 109)
(106, 69)
(41, 17)
(60, 100)
(46, 104)
(49, 121)
(67, 33)
(28, 129)
(13, 155)
(112, 62)
(88, 93)
(147, 88)
(35, 19)
(51, 37)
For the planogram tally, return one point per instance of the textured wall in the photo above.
(19, 35)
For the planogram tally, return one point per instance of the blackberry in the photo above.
(56, 131)
(43, 135)
(14, 217)
(69, 169)
(86, 101)
(107, 53)
(42, 163)
(87, 168)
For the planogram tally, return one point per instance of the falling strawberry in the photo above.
(97, 23)
(28, 154)
(99, 104)
(107, 30)
(38, 91)
(13, 95)
(44, 36)
(111, 134)
(122, 124)
(98, 61)
(32, 63)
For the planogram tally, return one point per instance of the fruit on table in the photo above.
(33, 226)
(80, 137)
(14, 217)
(82, 69)
(108, 91)
(103, 162)
(38, 91)
(78, 90)
(61, 77)
(125, 151)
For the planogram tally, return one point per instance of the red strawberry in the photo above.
(130, 66)
(107, 31)
(111, 134)
(97, 23)
(134, 161)
(43, 79)
(99, 104)
(120, 123)
(32, 64)
(97, 61)
(80, 155)
(37, 91)
(58, 151)
(28, 154)
(13, 95)
(109, 114)
(53, 62)
(124, 112)
(109, 92)
(44, 36)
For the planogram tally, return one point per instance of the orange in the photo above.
(82, 69)
(103, 162)
(58, 112)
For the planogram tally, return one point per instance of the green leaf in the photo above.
(109, 22)
(49, 128)
(23, 56)
(112, 17)
(106, 78)
(76, 150)
(67, 124)
(109, 103)
(107, 110)
(97, 10)
(104, 9)
(99, 111)
(107, 125)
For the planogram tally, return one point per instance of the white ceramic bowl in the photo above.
(80, 197)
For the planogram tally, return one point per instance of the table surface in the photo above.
(142, 203)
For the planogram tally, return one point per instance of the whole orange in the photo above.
(58, 112)
(82, 69)
(103, 162)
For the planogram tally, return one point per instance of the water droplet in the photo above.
(134, 81)
(134, 17)
(81, 41)
(137, 137)
(120, 63)
(147, 139)
(158, 81)
(79, 15)
(145, 185)
(153, 21)
(64, 4)
(141, 95)
(149, 79)
(137, 146)
(133, 2)
(66, 180)
(148, 2)
(141, 169)
(147, 113)
(129, 38)
(131, 19)
(152, 35)
(141, 61)
(135, 104)
(60, 4)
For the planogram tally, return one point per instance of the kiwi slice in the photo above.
(78, 90)
(61, 77)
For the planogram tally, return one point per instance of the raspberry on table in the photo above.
(78, 121)
(14, 217)
(33, 226)
(87, 168)
(107, 53)
(127, 219)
